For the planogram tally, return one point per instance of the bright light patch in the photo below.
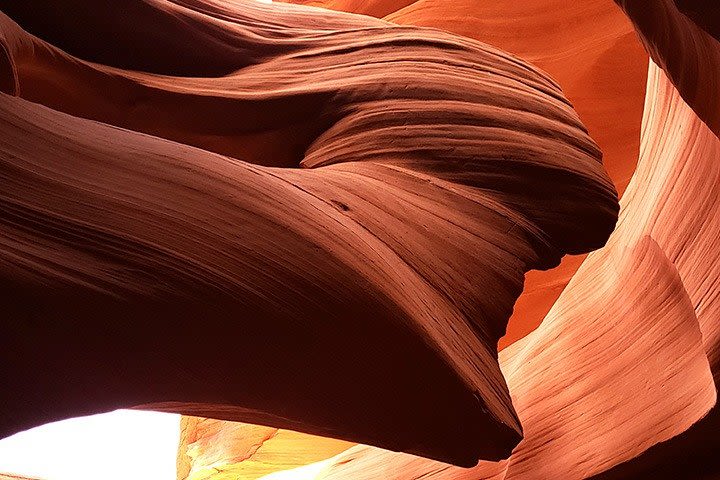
(306, 472)
(120, 445)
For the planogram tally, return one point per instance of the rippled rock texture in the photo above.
(618, 380)
(590, 48)
(323, 228)
(625, 359)
(321, 222)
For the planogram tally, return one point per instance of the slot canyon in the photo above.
(361, 240)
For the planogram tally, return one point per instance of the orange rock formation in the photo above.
(320, 221)
(646, 415)
(590, 48)
(430, 172)
(621, 362)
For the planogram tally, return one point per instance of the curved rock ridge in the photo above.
(599, 62)
(431, 172)
(590, 48)
(625, 359)
(691, 239)
(192, 38)
(686, 50)
(678, 234)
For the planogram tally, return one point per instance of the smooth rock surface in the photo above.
(155, 273)
(625, 359)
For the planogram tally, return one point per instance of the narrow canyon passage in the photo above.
(309, 232)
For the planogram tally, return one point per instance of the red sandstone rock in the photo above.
(621, 362)
(430, 172)
(590, 48)
(630, 420)
(618, 380)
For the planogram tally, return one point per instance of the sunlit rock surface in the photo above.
(357, 293)
(619, 381)
(589, 47)
(216, 450)
(643, 311)
(621, 362)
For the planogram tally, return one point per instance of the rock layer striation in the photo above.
(282, 235)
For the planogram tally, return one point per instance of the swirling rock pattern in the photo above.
(172, 262)
(590, 48)
(626, 357)
(643, 311)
